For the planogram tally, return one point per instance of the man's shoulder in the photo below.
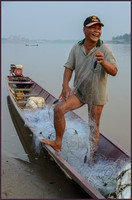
(80, 42)
(76, 46)
(105, 47)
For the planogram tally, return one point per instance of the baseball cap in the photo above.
(89, 21)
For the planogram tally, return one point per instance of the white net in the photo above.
(102, 175)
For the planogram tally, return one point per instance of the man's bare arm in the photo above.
(65, 86)
(109, 68)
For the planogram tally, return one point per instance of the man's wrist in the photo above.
(65, 84)
(103, 63)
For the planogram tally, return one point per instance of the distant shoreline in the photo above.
(118, 42)
(120, 39)
(39, 41)
(58, 41)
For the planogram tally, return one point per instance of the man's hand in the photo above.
(109, 68)
(65, 86)
(100, 57)
(65, 92)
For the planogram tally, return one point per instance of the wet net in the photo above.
(75, 145)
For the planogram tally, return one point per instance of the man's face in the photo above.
(93, 32)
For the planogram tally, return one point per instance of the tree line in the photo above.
(125, 37)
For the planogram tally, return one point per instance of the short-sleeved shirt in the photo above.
(90, 81)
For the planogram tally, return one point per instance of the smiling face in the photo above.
(93, 32)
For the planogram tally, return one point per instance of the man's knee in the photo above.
(59, 109)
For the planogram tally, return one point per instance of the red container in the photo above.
(18, 72)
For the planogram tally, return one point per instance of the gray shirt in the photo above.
(90, 81)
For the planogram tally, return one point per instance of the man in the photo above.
(92, 61)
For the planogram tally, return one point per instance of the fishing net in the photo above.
(102, 175)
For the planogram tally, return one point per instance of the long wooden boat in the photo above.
(20, 89)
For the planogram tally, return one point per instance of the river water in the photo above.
(44, 64)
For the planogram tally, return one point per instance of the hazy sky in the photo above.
(63, 19)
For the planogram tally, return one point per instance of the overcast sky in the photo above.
(63, 19)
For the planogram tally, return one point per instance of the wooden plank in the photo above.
(18, 82)
(44, 94)
(37, 89)
(19, 102)
(22, 89)
(26, 95)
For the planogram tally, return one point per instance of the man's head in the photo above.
(92, 28)
(89, 21)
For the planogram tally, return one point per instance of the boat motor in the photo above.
(16, 70)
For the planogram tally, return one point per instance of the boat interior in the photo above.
(22, 88)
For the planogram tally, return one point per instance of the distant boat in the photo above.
(34, 45)
(31, 44)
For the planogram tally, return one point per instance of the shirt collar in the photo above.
(99, 43)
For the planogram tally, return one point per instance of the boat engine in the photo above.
(16, 70)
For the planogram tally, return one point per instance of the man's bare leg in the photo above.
(60, 110)
(94, 119)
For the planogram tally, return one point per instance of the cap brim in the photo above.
(91, 24)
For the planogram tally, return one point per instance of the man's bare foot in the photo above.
(52, 144)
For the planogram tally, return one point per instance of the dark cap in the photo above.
(89, 21)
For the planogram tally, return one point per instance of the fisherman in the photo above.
(92, 61)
